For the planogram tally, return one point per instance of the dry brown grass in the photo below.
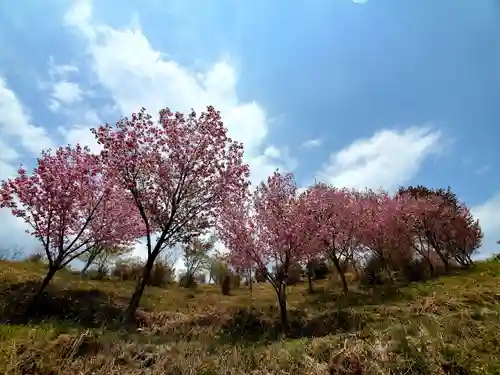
(448, 325)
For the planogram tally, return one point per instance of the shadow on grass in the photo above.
(86, 308)
(248, 326)
(370, 296)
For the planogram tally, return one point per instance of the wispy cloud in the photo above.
(482, 170)
(386, 160)
(312, 143)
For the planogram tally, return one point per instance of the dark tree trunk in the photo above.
(250, 290)
(46, 281)
(250, 281)
(446, 265)
(431, 266)
(336, 262)
(38, 295)
(386, 266)
(130, 312)
(283, 312)
(309, 281)
(444, 260)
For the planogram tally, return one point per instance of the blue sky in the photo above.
(376, 93)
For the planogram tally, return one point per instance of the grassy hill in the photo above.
(449, 325)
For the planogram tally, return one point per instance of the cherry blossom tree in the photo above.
(442, 224)
(179, 171)
(337, 213)
(415, 218)
(383, 229)
(61, 201)
(271, 230)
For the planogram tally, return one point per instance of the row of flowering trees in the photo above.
(277, 227)
(172, 180)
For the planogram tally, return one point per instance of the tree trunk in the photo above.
(250, 292)
(356, 270)
(469, 259)
(464, 259)
(446, 265)
(444, 260)
(46, 281)
(283, 312)
(87, 265)
(431, 266)
(389, 273)
(130, 312)
(250, 281)
(309, 281)
(50, 274)
(386, 266)
(336, 262)
(345, 287)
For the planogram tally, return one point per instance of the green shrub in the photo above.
(373, 272)
(416, 270)
(294, 274)
(35, 258)
(162, 274)
(260, 277)
(187, 281)
(127, 270)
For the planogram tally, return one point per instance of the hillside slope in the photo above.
(449, 325)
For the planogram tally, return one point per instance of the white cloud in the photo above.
(16, 128)
(67, 92)
(15, 123)
(388, 159)
(54, 105)
(80, 134)
(9, 157)
(312, 143)
(489, 219)
(280, 156)
(62, 70)
(136, 75)
(360, 1)
(62, 90)
(272, 152)
(13, 235)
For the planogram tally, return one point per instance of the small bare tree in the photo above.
(196, 255)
